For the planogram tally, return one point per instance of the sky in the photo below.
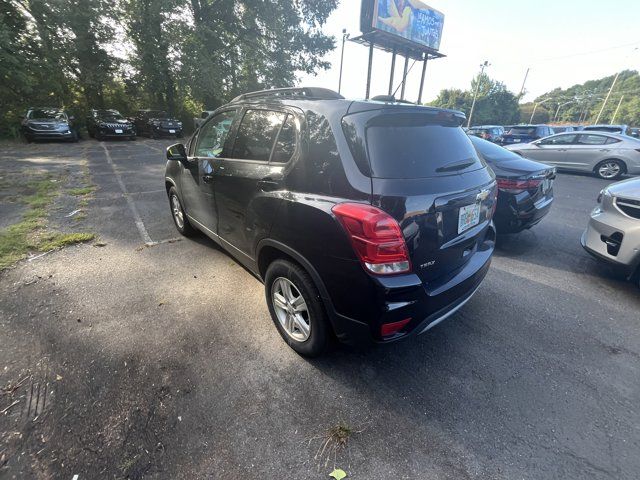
(563, 42)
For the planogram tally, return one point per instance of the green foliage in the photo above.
(495, 105)
(177, 55)
(586, 100)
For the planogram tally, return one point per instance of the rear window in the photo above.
(493, 153)
(531, 131)
(410, 145)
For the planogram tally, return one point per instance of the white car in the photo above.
(613, 233)
(608, 155)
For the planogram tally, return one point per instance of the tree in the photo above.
(494, 104)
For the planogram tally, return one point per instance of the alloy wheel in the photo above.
(177, 212)
(291, 309)
(609, 170)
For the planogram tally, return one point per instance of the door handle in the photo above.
(268, 184)
(207, 178)
(605, 150)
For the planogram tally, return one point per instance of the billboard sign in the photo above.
(410, 19)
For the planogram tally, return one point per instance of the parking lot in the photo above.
(159, 358)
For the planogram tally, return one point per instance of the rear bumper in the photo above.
(515, 214)
(167, 132)
(426, 304)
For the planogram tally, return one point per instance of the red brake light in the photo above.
(388, 329)
(376, 238)
(515, 186)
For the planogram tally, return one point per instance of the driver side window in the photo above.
(212, 135)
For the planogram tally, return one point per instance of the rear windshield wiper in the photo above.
(460, 165)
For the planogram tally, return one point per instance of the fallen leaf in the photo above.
(58, 378)
(338, 474)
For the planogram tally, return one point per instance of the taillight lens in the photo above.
(517, 186)
(376, 238)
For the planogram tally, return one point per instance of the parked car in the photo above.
(368, 220)
(197, 121)
(608, 155)
(525, 133)
(613, 233)
(49, 123)
(492, 133)
(156, 124)
(525, 187)
(621, 129)
(103, 124)
(634, 132)
(563, 128)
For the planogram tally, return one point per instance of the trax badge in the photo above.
(428, 264)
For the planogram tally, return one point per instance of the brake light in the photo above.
(376, 238)
(388, 329)
(516, 186)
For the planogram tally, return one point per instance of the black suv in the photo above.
(365, 220)
(525, 133)
(156, 124)
(103, 124)
(49, 123)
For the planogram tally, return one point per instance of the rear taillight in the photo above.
(516, 186)
(376, 238)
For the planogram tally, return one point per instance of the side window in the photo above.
(212, 135)
(256, 134)
(559, 140)
(611, 140)
(592, 140)
(286, 143)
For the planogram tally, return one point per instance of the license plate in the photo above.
(516, 140)
(469, 216)
(118, 131)
(172, 131)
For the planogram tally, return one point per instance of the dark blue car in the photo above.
(526, 134)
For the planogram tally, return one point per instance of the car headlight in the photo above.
(63, 126)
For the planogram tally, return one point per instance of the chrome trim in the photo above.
(449, 313)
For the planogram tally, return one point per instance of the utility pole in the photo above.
(617, 110)
(535, 107)
(345, 35)
(475, 95)
(523, 84)
(606, 99)
(559, 107)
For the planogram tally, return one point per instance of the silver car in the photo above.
(608, 155)
(613, 233)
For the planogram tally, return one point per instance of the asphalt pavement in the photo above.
(161, 361)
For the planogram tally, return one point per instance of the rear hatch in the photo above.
(520, 135)
(426, 174)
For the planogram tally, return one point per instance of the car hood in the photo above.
(627, 188)
(518, 146)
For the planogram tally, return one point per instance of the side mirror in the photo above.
(177, 152)
(72, 118)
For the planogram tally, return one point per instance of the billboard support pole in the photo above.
(404, 77)
(393, 69)
(424, 71)
(369, 70)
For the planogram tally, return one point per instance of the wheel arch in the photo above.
(622, 162)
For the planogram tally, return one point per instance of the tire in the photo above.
(132, 138)
(315, 340)
(98, 137)
(610, 169)
(180, 219)
(74, 137)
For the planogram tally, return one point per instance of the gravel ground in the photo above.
(155, 357)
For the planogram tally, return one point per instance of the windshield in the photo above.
(47, 114)
(109, 115)
(157, 114)
(491, 152)
(522, 131)
(412, 145)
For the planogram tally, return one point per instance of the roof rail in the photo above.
(312, 93)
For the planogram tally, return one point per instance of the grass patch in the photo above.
(79, 192)
(17, 240)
